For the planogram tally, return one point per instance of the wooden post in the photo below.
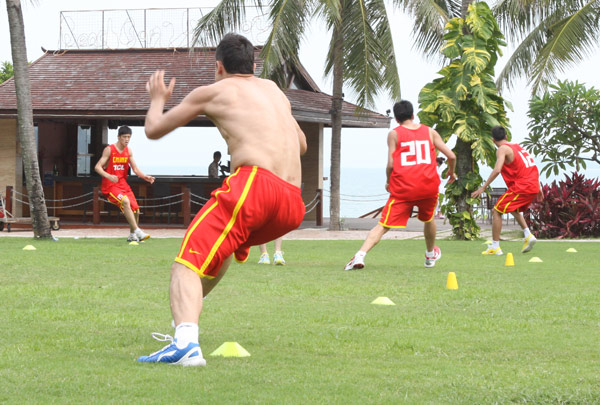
(187, 206)
(319, 212)
(96, 206)
(9, 207)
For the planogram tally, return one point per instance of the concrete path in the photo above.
(357, 229)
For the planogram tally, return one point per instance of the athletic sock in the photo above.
(360, 253)
(495, 244)
(186, 333)
(429, 254)
(526, 232)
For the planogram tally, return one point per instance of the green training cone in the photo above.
(230, 349)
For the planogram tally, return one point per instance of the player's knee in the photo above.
(125, 202)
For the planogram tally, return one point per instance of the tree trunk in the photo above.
(464, 165)
(464, 8)
(336, 130)
(37, 203)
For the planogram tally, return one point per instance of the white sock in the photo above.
(429, 254)
(495, 244)
(526, 232)
(360, 253)
(186, 333)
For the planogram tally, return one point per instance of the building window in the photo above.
(84, 138)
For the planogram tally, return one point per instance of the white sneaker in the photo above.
(278, 259)
(357, 262)
(141, 235)
(132, 238)
(492, 252)
(264, 259)
(529, 242)
(430, 260)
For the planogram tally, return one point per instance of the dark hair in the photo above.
(498, 133)
(440, 160)
(403, 110)
(124, 130)
(236, 53)
(217, 154)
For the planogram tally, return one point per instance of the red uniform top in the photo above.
(118, 164)
(521, 175)
(414, 174)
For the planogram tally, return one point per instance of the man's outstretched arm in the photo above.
(158, 122)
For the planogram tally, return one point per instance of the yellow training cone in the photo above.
(29, 247)
(510, 261)
(382, 301)
(133, 243)
(230, 349)
(452, 284)
(535, 260)
(572, 250)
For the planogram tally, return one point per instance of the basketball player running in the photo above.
(113, 166)
(523, 180)
(259, 202)
(412, 180)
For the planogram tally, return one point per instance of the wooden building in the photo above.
(79, 94)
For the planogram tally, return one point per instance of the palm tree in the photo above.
(551, 35)
(39, 214)
(361, 54)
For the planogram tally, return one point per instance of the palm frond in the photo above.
(430, 18)
(227, 16)
(522, 58)
(288, 21)
(571, 40)
(369, 60)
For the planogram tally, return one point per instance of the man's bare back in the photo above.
(252, 114)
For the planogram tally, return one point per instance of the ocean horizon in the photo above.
(362, 190)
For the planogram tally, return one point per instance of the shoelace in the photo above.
(162, 338)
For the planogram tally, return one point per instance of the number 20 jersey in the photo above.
(414, 175)
(118, 164)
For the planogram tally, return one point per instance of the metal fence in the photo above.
(145, 28)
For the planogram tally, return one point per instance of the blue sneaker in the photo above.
(171, 354)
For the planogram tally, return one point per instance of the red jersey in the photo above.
(414, 174)
(521, 175)
(118, 164)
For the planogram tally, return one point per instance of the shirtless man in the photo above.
(259, 202)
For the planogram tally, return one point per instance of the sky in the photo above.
(361, 148)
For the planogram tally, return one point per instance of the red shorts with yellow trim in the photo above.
(253, 206)
(396, 212)
(115, 195)
(511, 201)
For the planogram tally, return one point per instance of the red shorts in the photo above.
(115, 195)
(396, 213)
(251, 208)
(511, 201)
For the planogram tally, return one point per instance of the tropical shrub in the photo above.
(570, 209)
(464, 102)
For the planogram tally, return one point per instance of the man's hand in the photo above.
(156, 86)
(451, 178)
(149, 179)
(113, 178)
(387, 187)
(477, 192)
(540, 195)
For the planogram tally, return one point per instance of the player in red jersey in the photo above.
(523, 180)
(412, 180)
(259, 202)
(113, 166)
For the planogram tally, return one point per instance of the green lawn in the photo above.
(75, 314)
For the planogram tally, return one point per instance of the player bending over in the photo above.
(259, 202)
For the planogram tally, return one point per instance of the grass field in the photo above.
(75, 314)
